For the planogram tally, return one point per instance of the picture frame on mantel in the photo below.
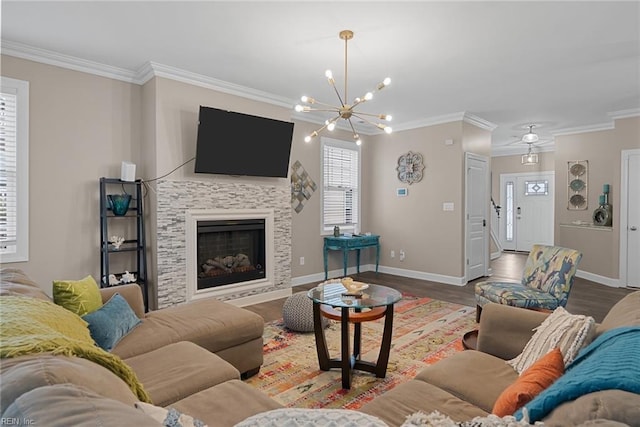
(578, 185)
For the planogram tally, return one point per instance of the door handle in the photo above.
(484, 222)
(519, 210)
(633, 228)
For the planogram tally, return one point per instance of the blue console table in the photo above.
(346, 244)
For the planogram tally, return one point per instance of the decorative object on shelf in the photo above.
(116, 241)
(345, 110)
(410, 168)
(128, 277)
(119, 203)
(113, 280)
(336, 231)
(577, 183)
(529, 138)
(603, 215)
(302, 186)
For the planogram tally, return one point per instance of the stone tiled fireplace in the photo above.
(184, 205)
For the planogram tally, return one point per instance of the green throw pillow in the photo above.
(79, 296)
(111, 322)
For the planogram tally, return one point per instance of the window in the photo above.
(14, 170)
(536, 188)
(509, 211)
(341, 185)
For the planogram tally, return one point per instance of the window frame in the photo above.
(347, 145)
(20, 89)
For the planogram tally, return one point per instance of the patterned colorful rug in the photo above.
(424, 331)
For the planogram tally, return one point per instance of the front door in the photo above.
(528, 201)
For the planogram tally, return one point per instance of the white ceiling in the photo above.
(560, 65)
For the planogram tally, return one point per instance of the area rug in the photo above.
(424, 331)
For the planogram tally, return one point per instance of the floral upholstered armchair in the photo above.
(546, 281)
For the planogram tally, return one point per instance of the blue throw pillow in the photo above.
(111, 322)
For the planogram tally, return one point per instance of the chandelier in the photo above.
(530, 158)
(344, 110)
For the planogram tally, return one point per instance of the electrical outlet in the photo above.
(301, 260)
(393, 253)
(402, 254)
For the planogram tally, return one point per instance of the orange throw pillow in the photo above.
(531, 382)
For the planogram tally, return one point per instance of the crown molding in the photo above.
(584, 129)
(624, 114)
(48, 57)
(153, 69)
(479, 122)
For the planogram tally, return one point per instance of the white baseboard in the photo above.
(495, 255)
(608, 281)
(260, 298)
(439, 278)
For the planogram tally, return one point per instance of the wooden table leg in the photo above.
(385, 347)
(345, 353)
(321, 341)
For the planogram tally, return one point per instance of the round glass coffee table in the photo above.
(332, 300)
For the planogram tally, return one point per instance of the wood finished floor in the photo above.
(586, 297)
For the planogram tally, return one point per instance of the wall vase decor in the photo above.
(578, 182)
(410, 168)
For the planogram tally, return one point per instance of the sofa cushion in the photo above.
(226, 404)
(625, 312)
(569, 332)
(464, 375)
(22, 374)
(13, 282)
(405, 399)
(531, 382)
(65, 405)
(179, 370)
(209, 323)
(111, 322)
(78, 296)
(613, 405)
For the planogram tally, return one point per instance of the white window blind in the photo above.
(14, 197)
(341, 177)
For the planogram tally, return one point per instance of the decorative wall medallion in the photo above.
(410, 167)
(577, 183)
(302, 186)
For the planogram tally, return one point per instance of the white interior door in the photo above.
(630, 219)
(528, 201)
(477, 207)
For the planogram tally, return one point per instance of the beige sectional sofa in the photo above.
(193, 373)
(189, 357)
(467, 384)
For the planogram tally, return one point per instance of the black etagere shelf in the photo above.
(133, 246)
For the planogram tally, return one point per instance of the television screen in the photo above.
(240, 144)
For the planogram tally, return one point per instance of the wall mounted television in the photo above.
(232, 143)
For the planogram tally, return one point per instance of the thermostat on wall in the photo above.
(401, 192)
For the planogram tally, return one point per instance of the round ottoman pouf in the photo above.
(297, 313)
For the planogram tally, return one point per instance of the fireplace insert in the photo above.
(230, 251)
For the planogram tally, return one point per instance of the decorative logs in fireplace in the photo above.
(226, 265)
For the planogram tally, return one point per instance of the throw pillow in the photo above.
(111, 322)
(530, 383)
(78, 296)
(568, 332)
(169, 417)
